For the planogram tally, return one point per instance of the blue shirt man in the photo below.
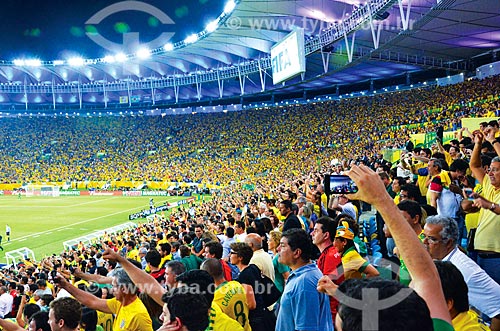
(302, 306)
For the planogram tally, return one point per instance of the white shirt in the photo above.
(240, 237)
(5, 304)
(484, 292)
(264, 261)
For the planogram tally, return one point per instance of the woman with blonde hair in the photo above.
(281, 271)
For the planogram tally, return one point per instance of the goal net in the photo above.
(42, 190)
(21, 255)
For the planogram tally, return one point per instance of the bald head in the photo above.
(254, 241)
(213, 267)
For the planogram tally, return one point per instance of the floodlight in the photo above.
(76, 62)
(168, 47)
(212, 26)
(191, 39)
(109, 59)
(33, 63)
(18, 62)
(229, 7)
(121, 57)
(143, 53)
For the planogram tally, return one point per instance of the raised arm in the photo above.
(425, 278)
(19, 316)
(145, 282)
(85, 298)
(9, 326)
(93, 277)
(475, 158)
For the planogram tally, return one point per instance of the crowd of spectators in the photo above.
(276, 142)
(204, 266)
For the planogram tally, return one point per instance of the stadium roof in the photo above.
(228, 54)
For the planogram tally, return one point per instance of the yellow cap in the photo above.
(344, 231)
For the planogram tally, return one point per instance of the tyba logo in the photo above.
(130, 39)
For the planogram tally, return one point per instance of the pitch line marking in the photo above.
(61, 228)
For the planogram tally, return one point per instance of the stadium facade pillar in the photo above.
(105, 93)
(152, 92)
(25, 94)
(53, 94)
(220, 84)
(408, 80)
(80, 101)
(405, 16)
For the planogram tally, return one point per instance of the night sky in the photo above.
(56, 29)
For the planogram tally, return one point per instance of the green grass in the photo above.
(43, 223)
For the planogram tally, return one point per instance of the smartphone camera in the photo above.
(339, 184)
(468, 192)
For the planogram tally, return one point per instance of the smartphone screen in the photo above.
(339, 184)
(469, 192)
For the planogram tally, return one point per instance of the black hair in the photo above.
(201, 280)
(242, 250)
(410, 313)
(153, 257)
(459, 165)
(215, 248)
(166, 247)
(287, 204)
(413, 191)
(30, 309)
(89, 318)
(411, 207)
(189, 306)
(299, 239)
(453, 284)
(41, 319)
(241, 224)
(328, 225)
(230, 232)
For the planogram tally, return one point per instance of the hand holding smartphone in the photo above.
(339, 184)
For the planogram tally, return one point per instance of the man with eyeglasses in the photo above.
(440, 239)
(487, 241)
(130, 312)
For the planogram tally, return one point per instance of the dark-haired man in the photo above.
(184, 310)
(165, 250)
(153, 260)
(213, 250)
(323, 236)
(455, 292)
(229, 295)
(291, 220)
(197, 248)
(65, 314)
(295, 251)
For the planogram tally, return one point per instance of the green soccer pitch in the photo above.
(42, 224)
